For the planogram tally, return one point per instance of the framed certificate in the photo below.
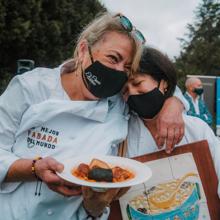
(183, 186)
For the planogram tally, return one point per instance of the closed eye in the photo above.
(137, 83)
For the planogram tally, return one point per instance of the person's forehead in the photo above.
(110, 35)
(198, 82)
(116, 42)
(143, 76)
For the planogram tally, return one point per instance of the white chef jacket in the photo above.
(37, 118)
(140, 140)
(178, 93)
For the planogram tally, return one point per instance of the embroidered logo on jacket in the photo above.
(44, 137)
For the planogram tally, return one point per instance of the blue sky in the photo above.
(161, 21)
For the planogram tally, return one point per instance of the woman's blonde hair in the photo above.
(95, 30)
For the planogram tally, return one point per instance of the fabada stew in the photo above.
(99, 171)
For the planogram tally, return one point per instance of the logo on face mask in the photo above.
(92, 78)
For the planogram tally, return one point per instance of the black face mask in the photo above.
(198, 91)
(147, 105)
(103, 81)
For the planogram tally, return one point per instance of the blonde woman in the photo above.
(48, 115)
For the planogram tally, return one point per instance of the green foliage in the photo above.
(5, 77)
(42, 30)
(201, 52)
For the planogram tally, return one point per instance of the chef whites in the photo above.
(56, 127)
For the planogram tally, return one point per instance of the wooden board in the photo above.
(205, 166)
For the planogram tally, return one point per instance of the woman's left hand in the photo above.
(170, 124)
(95, 202)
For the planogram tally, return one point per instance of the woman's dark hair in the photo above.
(158, 66)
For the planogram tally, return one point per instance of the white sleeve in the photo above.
(178, 93)
(214, 146)
(13, 103)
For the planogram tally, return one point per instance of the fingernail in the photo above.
(168, 151)
(59, 168)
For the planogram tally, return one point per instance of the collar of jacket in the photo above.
(42, 112)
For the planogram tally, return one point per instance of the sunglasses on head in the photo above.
(127, 25)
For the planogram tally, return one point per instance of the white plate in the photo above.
(141, 171)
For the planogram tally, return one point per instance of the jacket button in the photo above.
(49, 212)
(114, 145)
(127, 117)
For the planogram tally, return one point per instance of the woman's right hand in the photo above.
(46, 169)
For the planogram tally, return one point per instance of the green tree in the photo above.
(201, 52)
(42, 30)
